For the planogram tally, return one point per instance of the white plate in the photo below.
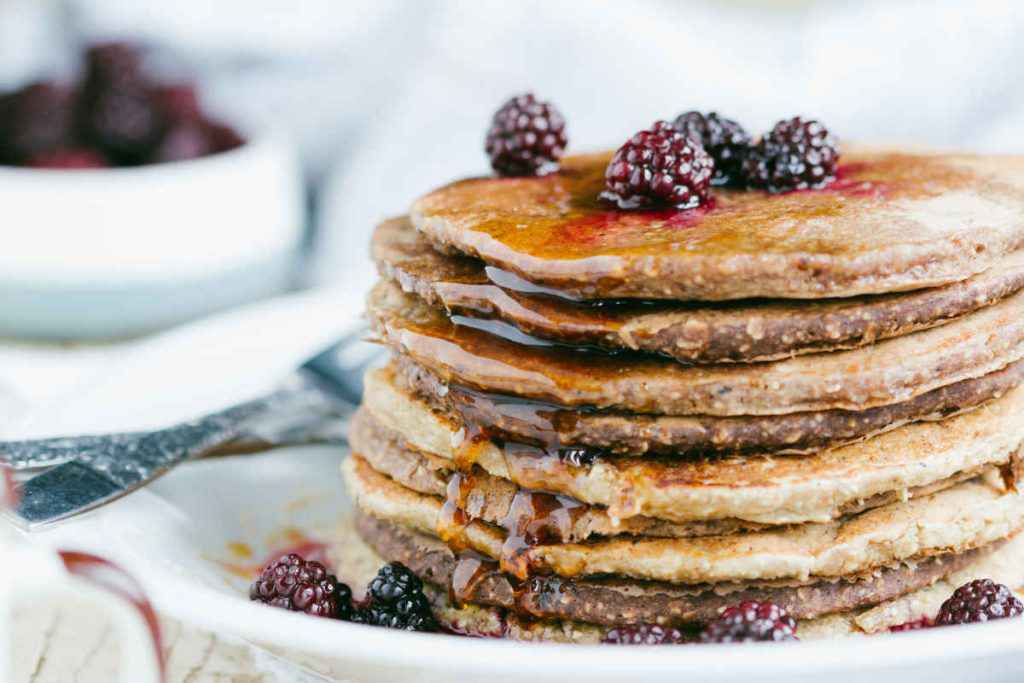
(175, 535)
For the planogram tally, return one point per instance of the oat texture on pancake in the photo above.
(707, 387)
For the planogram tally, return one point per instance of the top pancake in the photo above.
(892, 222)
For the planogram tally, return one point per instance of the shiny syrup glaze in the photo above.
(534, 517)
(566, 219)
(469, 287)
(456, 514)
(429, 335)
(470, 569)
(538, 422)
(454, 517)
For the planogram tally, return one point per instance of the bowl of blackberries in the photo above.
(128, 206)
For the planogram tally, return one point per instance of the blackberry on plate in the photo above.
(406, 615)
(979, 600)
(302, 586)
(750, 622)
(36, 119)
(526, 138)
(725, 140)
(796, 154)
(644, 634)
(396, 600)
(659, 167)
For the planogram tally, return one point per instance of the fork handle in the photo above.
(131, 457)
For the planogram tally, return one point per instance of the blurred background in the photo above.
(384, 100)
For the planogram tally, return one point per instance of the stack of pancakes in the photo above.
(595, 418)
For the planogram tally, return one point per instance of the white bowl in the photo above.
(111, 252)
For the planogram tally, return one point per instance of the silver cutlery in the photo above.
(81, 473)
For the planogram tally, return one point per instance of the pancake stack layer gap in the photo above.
(595, 418)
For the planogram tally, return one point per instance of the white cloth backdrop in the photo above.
(937, 73)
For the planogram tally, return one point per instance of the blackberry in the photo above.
(659, 166)
(795, 155)
(526, 138)
(406, 615)
(644, 634)
(725, 140)
(124, 123)
(979, 600)
(37, 119)
(119, 112)
(396, 600)
(113, 65)
(295, 584)
(750, 622)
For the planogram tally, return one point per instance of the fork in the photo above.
(83, 473)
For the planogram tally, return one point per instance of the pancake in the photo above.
(892, 222)
(355, 563)
(547, 424)
(888, 372)
(701, 333)
(611, 601)
(766, 490)
(493, 499)
(483, 496)
(967, 516)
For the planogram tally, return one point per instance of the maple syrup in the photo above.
(471, 439)
(535, 518)
(470, 569)
(454, 518)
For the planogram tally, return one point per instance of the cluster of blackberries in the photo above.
(747, 622)
(394, 598)
(115, 115)
(670, 164)
(676, 164)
